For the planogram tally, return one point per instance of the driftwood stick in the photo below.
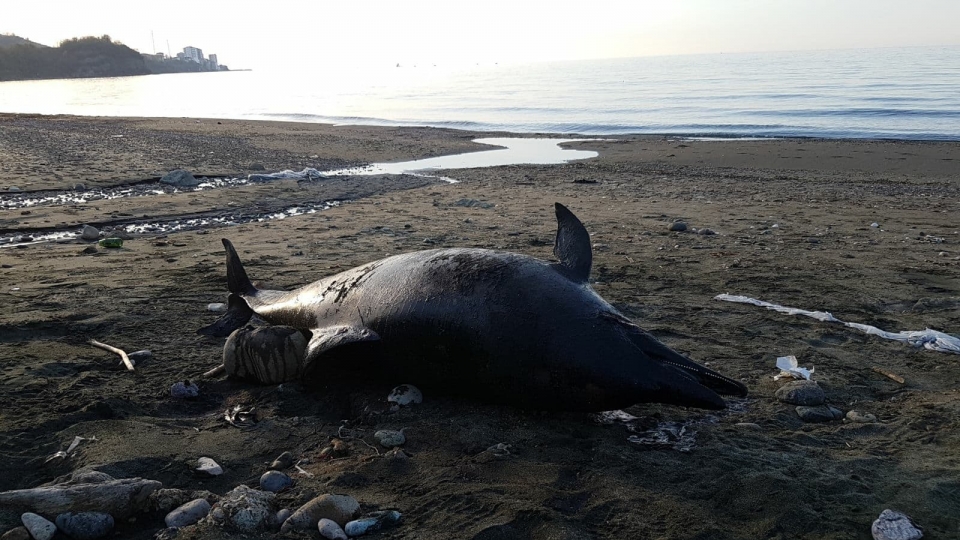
(215, 372)
(119, 498)
(123, 355)
(890, 375)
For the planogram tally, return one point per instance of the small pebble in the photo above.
(39, 527)
(861, 418)
(217, 307)
(805, 393)
(707, 232)
(389, 438)
(184, 390)
(678, 226)
(275, 481)
(819, 413)
(874, 224)
(330, 530)
(85, 525)
(283, 461)
(405, 394)
(188, 513)
(209, 466)
(89, 250)
(893, 525)
(140, 356)
(376, 521)
(282, 516)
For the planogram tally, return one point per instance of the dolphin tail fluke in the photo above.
(237, 315)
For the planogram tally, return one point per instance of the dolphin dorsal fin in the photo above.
(573, 245)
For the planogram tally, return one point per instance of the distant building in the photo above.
(214, 62)
(193, 53)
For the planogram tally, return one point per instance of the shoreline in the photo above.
(793, 226)
(383, 123)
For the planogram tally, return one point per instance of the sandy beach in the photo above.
(794, 226)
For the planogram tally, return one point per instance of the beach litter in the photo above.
(928, 339)
(63, 454)
(667, 435)
(239, 417)
(790, 368)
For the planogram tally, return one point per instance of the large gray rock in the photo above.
(188, 514)
(893, 525)
(806, 393)
(275, 481)
(244, 509)
(819, 413)
(39, 527)
(179, 178)
(337, 508)
(90, 233)
(85, 525)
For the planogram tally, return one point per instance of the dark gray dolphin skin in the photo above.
(500, 326)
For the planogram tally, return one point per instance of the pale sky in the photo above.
(286, 34)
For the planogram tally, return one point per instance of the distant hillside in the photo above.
(21, 59)
(11, 41)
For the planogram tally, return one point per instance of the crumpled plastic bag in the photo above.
(790, 368)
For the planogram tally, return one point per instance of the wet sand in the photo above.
(793, 222)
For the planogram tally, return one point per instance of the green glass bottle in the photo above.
(111, 242)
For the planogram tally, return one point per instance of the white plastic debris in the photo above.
(790, 368)
(73, 446)
(928, 339)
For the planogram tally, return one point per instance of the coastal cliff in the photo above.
(82, 57)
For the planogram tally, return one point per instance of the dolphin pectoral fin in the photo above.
(572, 247)
(328, 339)
(237, 315)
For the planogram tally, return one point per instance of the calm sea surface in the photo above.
(911, 93)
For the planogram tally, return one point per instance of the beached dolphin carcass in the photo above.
(498, 325)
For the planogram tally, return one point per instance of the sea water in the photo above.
(908, 93)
